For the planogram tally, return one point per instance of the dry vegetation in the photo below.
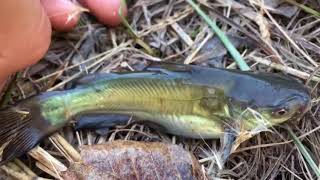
(274, 36)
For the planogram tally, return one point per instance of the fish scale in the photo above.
(145, 96)
(172, 106)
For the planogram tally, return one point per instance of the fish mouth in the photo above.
(303, 107)
(306, 105)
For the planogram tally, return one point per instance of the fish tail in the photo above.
(20, 131)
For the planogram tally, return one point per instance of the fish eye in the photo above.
(280, 112)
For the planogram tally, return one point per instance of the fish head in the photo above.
(272, 101)
(292, 106)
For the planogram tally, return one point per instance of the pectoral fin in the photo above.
(228, 142)
(90, 79)
(166, 67)
(231, 141)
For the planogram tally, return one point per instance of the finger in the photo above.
(25, 35)
(106, 11)
(64, 14)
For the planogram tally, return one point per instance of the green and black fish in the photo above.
(186, 100)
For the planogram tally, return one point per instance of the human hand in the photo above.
(25, 30)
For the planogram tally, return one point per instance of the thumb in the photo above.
(25, 34)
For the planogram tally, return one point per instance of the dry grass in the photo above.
(269, 38)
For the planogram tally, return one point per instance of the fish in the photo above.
(186, 100)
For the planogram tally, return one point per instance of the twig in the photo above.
(104, 58)
(290, 40)
(101, 55)
(184, 36)
(267, 48)
(51, 172)
(132, 32)
(189, 59)
(286, 69)
(25, 168)
(46, 159)
(290, 171)
(168, 21)
(15, 174)
(225, 40)
(68, 149)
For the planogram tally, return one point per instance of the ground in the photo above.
(275, 36)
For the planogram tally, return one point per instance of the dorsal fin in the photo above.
(94, 77)
(168, 67)
(152, 69)
(90, 79)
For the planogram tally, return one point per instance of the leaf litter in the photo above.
(174, 31)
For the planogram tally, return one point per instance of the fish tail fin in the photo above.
(20, 131)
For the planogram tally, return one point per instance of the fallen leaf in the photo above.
(287, 10)
(278, 7)
(272, 3)
(214, 51)
(134, 160)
